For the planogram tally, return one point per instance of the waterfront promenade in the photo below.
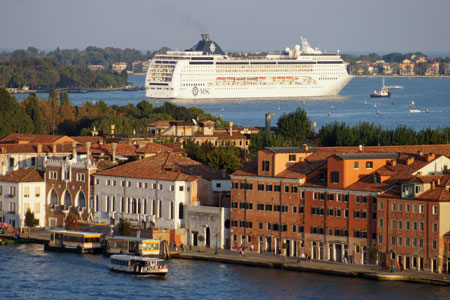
(288, 263)
(315, 266)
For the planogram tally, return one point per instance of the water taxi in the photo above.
(74, 241)
(138, 265)
(133, 246)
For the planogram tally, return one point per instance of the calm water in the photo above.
(27, 272)
(349, 107)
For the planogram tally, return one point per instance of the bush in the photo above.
(30, 220)
(124, 228)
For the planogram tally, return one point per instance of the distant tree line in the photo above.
(42, 73)
(294, 129)
(74, 57)
(58, 115)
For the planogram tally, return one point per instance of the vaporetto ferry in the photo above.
(206, 72)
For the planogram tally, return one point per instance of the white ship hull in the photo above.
(200, 75)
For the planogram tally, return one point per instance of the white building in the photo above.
(208, 226)
(19, 191)
(155, 189)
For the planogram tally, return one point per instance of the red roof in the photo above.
(23, 175)
(15, 138)
(165, 166)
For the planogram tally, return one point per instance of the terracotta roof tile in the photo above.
(23, 175)
(166, 166)
(34, 138)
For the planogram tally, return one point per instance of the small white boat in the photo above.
(415, 111)
(138, 265)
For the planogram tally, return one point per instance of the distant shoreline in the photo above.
(401, 76)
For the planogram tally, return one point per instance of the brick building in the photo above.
(323, 202)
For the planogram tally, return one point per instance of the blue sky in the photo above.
(347, 25)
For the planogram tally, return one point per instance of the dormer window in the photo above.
(407, 190)
(377, 179)
(418, 189)
(369, 164)
(265, 165)
(292, 157)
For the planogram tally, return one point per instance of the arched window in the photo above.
(67, 199)
(180, 211)
(81, 199)
(171, 210)
(53, 197)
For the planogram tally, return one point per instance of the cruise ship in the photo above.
(206, 72)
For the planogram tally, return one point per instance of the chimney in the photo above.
(88, 149)
(393, 162)
(305, 147)
(74, 149)
(231, 128)
(420, 153)
(114, 147)
(3, 150)
(409, 160)
(314, 127)
(54, 148)
(429, 157)
(39, 148)
(113, 127)
(360, 148)
(267, 122)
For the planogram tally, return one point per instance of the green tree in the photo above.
(12, 117)
(33, 110)
(30, 219)
(124, 228)
(294, 127)
(264, 139)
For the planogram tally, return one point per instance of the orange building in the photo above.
(322, 202)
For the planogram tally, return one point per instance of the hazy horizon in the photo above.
(381, 26)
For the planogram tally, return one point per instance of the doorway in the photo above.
(208, 237)
(195, 238)
(288, 248)
(407, 262)
(338, 252)
(269, 244)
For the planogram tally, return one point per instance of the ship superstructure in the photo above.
(206, 72)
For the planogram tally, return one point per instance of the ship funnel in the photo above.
(205, 37)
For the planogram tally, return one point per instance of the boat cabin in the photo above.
(133, 246)
(82, 242)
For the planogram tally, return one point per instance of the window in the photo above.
(400, 207)
(314, 196)
(335, 177)
(415, 225)
(363, 214)
(339, 198)
(294, 209)
(434, 244)
(265, 165)
(268, 207)
(234, 185)
(435, 210)
(37, 191)
(346, 197)
(394, 206)
(380, 223)
(285, 209)
(380, 239)
(11, 162)
(407, 242)
(26, 192)
(301, 209)
(358, 199)
(218, 185)
(322, 196)
(421, 209)
(260, 206)
(357, 214)
(330, 197)
(415, 208)
(364, 199)
(12, 191)
(286, 189)
(421, 243)
(356, 165)
(408, 208)
(234, 204)
(435, 227)
(421, 226)
(369, 165)
(338, 212)
(294, 228)
(277, 188)
(418, 189)
(268, 187)
(394, 224)
(400, 241)
(172, 188)
(292, 157)
(302, 195)
(276, 207)
(380, 205)
(12, 208)
(294, 189)
(330, 212)
(260, 225)
(346, 213)
(181, 188)
(393, 240)
(407, 225)
(260, 187)
(234, 223)
(400, 224)
(81, 177)
(52, 174)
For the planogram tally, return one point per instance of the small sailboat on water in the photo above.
(383, 93)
